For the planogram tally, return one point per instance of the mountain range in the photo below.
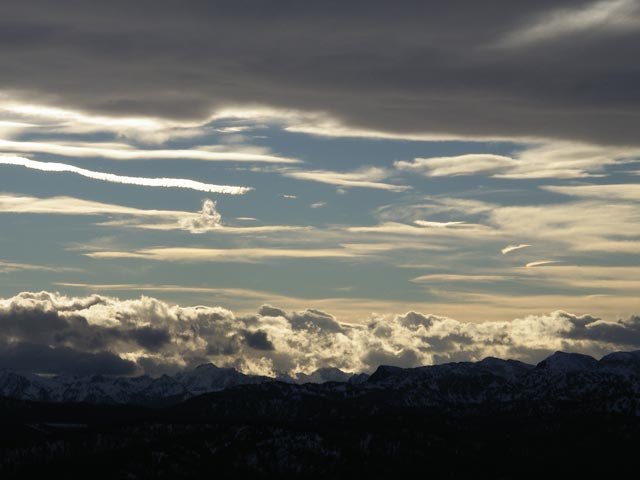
(613, 383)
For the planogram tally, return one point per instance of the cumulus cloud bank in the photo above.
(58, 333)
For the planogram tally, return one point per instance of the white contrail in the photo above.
(110, 177)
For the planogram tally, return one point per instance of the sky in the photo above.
(281, 186)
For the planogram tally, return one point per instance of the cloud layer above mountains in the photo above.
(52, 333)
(316, 129)
(461, 68)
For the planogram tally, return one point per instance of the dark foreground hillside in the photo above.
(569, 415)
(81, 441)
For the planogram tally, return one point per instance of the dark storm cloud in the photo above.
(501, 68)
(151, 338)
(29, 357)
(258, 340)
(41, 319)
(622, 331)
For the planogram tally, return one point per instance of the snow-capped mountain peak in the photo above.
(568, 362)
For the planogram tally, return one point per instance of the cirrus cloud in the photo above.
(550, 160)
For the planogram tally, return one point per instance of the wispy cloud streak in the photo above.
(540, 263)
(601, 16)
(513, 248)
(120, 151)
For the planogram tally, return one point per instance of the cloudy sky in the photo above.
(169, 168)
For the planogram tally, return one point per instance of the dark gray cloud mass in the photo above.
(555, 69)
(52, 333)
(27, 357)
(258, 340)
